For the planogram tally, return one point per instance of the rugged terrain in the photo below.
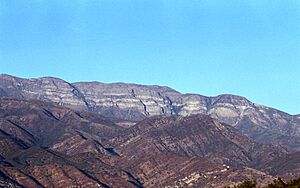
(46, 145)
(58, 134)
(137, 102)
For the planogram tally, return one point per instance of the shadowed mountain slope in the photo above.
(47, 145)
(137, 102)
(43, 145)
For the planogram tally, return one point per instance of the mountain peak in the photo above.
(7, 76)
(166, 138)
(137, 102)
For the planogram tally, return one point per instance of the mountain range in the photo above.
(137, 102)
(90, 134)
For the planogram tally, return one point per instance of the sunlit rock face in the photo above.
(47, 89)
(47, 145)
(136, 102)
(127, 98)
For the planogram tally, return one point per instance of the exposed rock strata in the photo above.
(136, 102)
(46, 145)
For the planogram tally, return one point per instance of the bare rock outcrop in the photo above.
(137, 102)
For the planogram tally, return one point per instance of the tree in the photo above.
(277, 183)
(246, 184)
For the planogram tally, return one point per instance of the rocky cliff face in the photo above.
(47, 145)
(136, 102)
(45, 89)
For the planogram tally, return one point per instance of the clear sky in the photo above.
(244, 47)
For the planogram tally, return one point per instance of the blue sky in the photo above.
(244, 47)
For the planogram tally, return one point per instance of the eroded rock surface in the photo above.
(137, 102)
(48, 145)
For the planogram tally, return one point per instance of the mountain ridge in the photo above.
(45, 144)
(137, 102)
(144, 85)
(133, 84)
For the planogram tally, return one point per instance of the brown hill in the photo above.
(137, 102)
(47, 145)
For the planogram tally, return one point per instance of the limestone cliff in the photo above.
(136, 102)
